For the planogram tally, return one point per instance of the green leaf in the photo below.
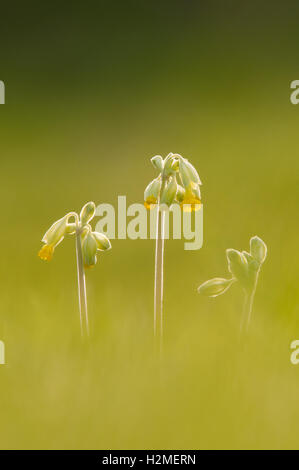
(215, 287)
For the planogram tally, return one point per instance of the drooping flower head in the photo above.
(91, 242)
(178, 181)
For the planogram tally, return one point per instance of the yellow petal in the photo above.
(150, 202)
(46, 252)
(190, 204)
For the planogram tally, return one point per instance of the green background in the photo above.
(92, 92)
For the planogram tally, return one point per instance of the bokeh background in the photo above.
(92, 92)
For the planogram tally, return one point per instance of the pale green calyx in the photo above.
(188, 173)
(87, 212)
(157, 162)
(103, 242)
(152, 192)
(57, 231)
(169, 164)
(169, 192)
(180, 193)
(89, 250)
(258, 249)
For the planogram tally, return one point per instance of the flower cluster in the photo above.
(178, 181)
(91, 242)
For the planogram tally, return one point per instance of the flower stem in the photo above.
(81, 285)
(159, 274)
(248, 303)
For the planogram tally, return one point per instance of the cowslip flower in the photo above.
(88, 246)
(177, 182)
(191, 198)
(54, 236)
(245, 269)
(152, 192)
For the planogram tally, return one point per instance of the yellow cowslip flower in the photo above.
(54, 236)
(188, 173)
(151, 193)
(191, 201)
(46, 252)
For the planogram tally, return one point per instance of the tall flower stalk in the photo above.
(88, 244)
(81, 284)
(159, 273)
(245, 269)
(177, 182)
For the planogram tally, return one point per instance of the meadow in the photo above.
(70, 135)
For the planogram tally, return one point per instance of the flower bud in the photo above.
(215, 287)
(252, 263)
(168, 162)
(89, 249)
(258, 249)
(169, 192)
(103, 243)
(157, 162)
(151, 193)
(87, 212)
(237, 265)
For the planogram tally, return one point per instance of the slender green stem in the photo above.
(245, 310)
(158, 311)
(81, 285)
(248, 304)
(159, 274)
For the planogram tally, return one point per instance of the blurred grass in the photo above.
(223, 103)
